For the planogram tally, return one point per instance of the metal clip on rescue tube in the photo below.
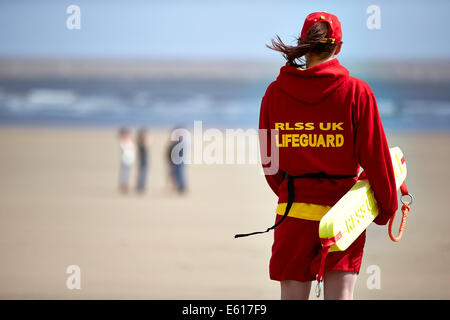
(354, 212)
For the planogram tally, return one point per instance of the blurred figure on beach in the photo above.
(127, 157)
(175, 152)
(143, 159)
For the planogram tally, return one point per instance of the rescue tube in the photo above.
(354, 212)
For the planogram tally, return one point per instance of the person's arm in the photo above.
(373, 154)
(274, 180)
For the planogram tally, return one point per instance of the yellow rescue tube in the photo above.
(354, 212)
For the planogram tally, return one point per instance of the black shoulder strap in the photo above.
(291, 196)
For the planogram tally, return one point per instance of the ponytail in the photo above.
(312, 44)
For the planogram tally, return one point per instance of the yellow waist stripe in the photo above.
(301, 210)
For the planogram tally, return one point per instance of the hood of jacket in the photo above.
(314, 84)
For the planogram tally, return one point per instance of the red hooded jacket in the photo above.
(327, 121)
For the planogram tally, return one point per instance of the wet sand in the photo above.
(59, 206)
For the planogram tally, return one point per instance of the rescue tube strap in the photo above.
(291, 196)
(405, 209)
(326, 244)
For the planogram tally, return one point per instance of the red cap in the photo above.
(334, 34)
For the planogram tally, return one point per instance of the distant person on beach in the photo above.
(327, 126)
(143, 159)
(127, 157)
(176, 172)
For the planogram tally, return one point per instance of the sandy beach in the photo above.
(60, 206)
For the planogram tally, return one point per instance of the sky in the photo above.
(216, 29)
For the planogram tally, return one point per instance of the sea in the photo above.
(222, 103)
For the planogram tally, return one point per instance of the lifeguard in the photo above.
(310, 140)
(328, 126)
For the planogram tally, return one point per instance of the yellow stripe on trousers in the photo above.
(301, 210)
